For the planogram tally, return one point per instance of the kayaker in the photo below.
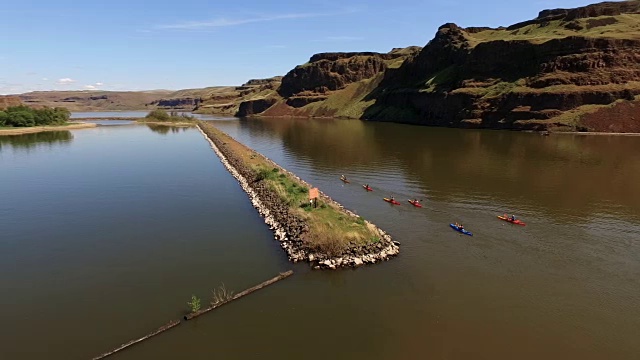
(367, 186)
(416, 201)
(513, 218)
(342, 177)
(393, 199)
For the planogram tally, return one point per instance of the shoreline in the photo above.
(595, 133)
(288, 229)
(38, 129)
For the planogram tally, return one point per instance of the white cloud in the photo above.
(94, 86)
(90, 87)
(224, 22)
(65, 81)
(45, 79)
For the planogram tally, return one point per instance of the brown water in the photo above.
(122, 241)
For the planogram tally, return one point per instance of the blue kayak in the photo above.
(454, 227)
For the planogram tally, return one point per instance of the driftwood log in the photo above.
(174, 323)
(240, 294)
(171, 324)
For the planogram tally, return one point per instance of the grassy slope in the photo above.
(626, 26)
(331, 230)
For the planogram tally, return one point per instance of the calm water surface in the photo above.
(130, 114)
(108, 231)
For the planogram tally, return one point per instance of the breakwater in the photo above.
(289, 228)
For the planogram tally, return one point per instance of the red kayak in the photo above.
(391, 201)
(415, 203)
(367, 188)
(516, 222)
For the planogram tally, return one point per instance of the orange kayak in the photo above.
(516, 222)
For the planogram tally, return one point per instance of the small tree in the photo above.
(194, 304)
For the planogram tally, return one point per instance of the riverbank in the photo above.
(327, 236)
(37, 129)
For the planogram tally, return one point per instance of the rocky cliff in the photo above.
(311, 89)
(542, 73)
(549, 72)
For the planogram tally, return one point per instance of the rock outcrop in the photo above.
(333, 71)
(186, 103)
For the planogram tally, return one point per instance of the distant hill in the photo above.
(93, 100)
(7, 101)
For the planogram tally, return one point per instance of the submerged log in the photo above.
(162, 329)
(240, 294)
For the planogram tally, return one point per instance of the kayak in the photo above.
(454, 227)
(367, 188)
(391, 201)
(345, 180)
(416, 204)
(516, 222)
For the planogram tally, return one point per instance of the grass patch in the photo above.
(625, 26)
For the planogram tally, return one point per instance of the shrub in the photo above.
(194, 304)
(26, 116)
(158, 114)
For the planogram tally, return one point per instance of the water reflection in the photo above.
(165, 129)
(557, 174)
(31, 141)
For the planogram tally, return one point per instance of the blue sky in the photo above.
(141, 45)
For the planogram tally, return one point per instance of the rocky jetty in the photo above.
(288, 228)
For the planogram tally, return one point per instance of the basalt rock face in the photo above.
(252, 107)
(8, 101)
(187, 103)
(508, 78)
(333, 71)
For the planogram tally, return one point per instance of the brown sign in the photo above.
(313, 193)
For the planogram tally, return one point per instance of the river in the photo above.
(108, 231)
